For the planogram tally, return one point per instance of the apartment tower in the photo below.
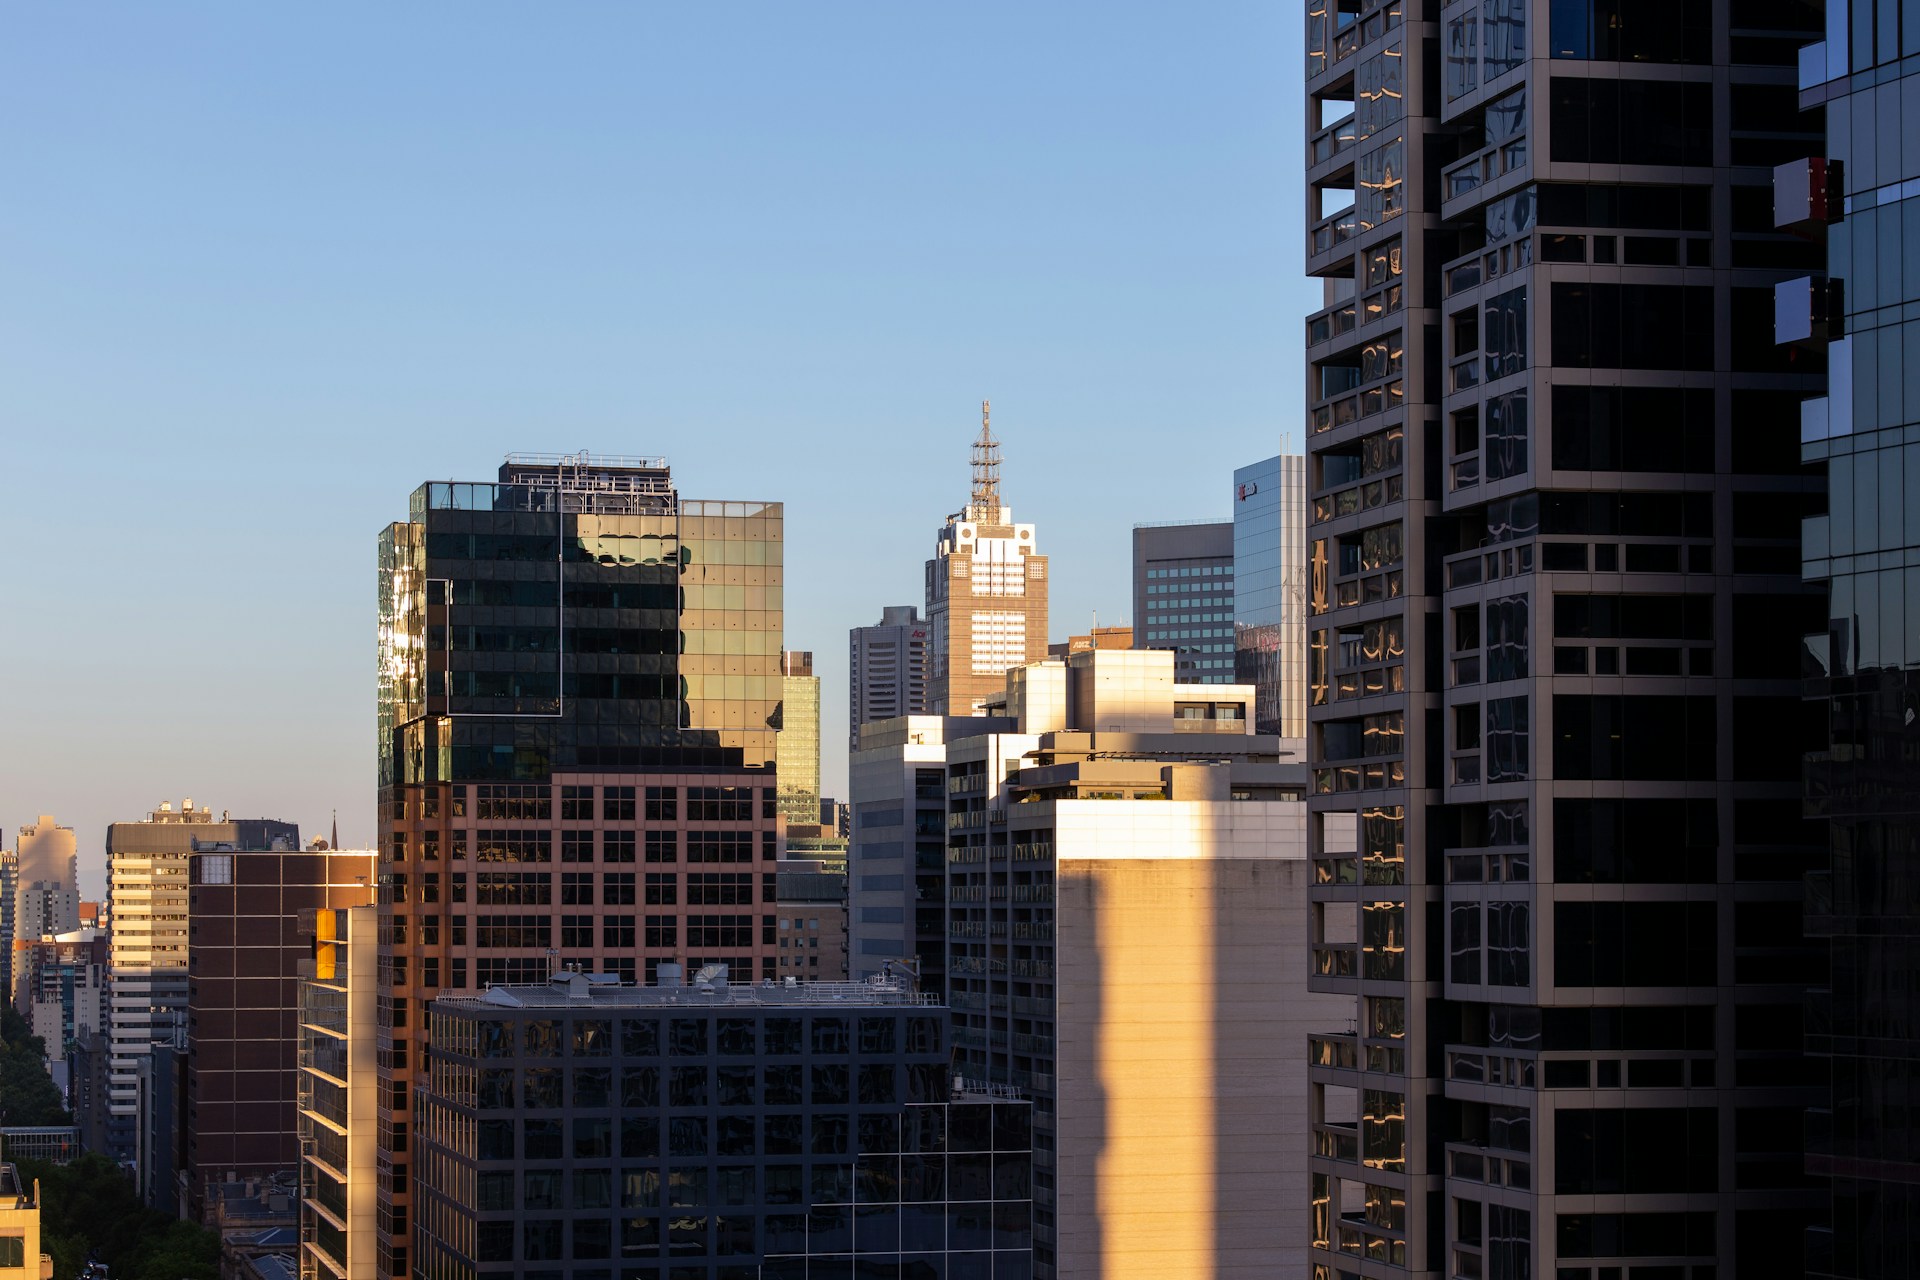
(579, 695)
(1553, 658)
(1854, 193)
(251, 913)
(147, 985)
(986, 593)
(886, 669)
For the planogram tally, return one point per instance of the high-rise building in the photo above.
(1864, 551)
(986, 594)
(249, 910)
(577, 667)
(757, 1132)
(42, 909)
(48, 852)
(798, 747)
(1183, 576)
(147, 992)
(1270, 591)
(1126, 905)
(897, 858)
(338, 1084)
(61, 987)
(886, 669)
(1554, 616)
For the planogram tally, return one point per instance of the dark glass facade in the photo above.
(1554, 616)
(677, 1135)
(1864, 663)
(580, 693)
(1269, 591)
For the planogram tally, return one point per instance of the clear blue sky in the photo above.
(264, 268)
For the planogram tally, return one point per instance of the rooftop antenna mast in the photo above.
(985, 506)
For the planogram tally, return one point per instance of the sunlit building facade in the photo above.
(338, 1084)
(147, 983)
(1553, 657)
(798, 747)
(1126, 908)
(580, 687)
(986, 595)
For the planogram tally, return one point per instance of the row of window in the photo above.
(514, 802)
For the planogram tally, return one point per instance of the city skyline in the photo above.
(896, 314)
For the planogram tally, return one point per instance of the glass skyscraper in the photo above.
(1864, 779)
(579, 694)
(1270, 591)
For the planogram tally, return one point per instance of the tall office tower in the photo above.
(797, 750)
(338, 1086)
(46, 861)
(986, 593)
(897, 858)
(708, 1132)
(577, 666)
(1183, 576)
(1865, 552)
(886, 669)
(249, 910)
(147, 987)
(1270, 591)
(1127, 913)
(1554, 611)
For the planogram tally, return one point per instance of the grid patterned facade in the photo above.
(680, 1134)
(798, 747)
(1865, 552)
(579, 698)
(1554, 618)
(1183, 597)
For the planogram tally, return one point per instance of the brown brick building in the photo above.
(245, 943)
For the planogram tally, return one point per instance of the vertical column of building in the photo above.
(1864, 550)
(1599, 589)
(580, 687)
(1372, 555)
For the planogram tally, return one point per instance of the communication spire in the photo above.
(985, 505)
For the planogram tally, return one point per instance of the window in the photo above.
(576, 889)
(576, 846)
(663, 804)
(663, 846)
(617, 846)
(576, 932)
(617, 933)
(1642, 122)
(576, 803)
(616, 804)
(618, 889)
(663, 931)
(663, 889)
